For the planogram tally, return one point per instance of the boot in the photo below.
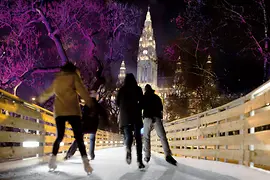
(171, 160)
(140, 165)
(146, 159)
(87, 167)
(92, 156)
(66, 157)
(128, 156)
(52, 163)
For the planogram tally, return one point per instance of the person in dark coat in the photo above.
(90, 123)
(130, 120)
(152, 114)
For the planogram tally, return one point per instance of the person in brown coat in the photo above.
(66, 87)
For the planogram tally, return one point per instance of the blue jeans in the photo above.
(71, 151)
(92, 145)
(158, 126)
(128, 138)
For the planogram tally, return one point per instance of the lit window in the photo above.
(144, 51)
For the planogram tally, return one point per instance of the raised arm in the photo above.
(46, 94)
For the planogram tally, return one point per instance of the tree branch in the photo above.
(52, 35)
(30, 72)
(28, 24)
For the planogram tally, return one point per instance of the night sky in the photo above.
(164, 30)
(239, 75)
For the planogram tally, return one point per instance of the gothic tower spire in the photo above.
(122, 73)
(146, 64)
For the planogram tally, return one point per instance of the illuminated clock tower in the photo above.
(122, 74)
(147, 58)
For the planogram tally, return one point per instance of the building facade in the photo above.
(147, 58)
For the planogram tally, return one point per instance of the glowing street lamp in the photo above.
(33, 98)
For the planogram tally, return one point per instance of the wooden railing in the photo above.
(238, 132)
(27, 130)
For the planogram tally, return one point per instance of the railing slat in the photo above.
(7, 136)
(22, 121)
(14, 122)
(19, 152)
(260, 138)
(260, 119)
(237, 132)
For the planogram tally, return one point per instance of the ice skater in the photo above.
(66, 87)
(152, 114)
(90, 122)
(128, 99)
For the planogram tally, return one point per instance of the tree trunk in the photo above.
(53, 35)
(15, 88)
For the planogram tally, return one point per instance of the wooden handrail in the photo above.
(237, 132)
(29, 130)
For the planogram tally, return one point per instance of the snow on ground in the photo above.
(110, 165)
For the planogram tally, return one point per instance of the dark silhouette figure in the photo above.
(130, 120)
(91, 118)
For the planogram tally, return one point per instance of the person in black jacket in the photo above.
(152, 114)
(90, 122)
(130, 119)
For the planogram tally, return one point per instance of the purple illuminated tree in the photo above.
(21, 53)
(62, 31)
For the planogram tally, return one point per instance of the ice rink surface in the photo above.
(110, 165)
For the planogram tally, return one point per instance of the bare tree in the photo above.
(71, 25)
(246, 21)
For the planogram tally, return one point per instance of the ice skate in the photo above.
(128, 156)
(87, 167)
(141, 166)
(66, 157)
(52, 163)
(171, 160)
(147, 159)
(92, 156)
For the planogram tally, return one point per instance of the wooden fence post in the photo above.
(251, 146)
(242, 132)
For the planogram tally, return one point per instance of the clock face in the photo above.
(144, 51)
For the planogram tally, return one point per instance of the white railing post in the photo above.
(242, 132)
(199, 123)
(251, 146)
(226, 134)
(217, 135)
